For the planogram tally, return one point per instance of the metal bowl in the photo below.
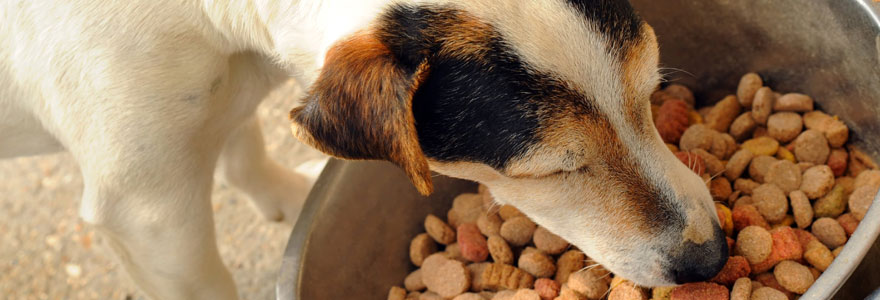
(352, 239)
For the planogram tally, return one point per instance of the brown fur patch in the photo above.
(635, 67)
(463, 36)
(360, 107)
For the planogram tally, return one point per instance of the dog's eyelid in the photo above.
(581, 169)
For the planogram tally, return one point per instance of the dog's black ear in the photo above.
(360, 107)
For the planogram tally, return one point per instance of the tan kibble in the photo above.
(500, 250)
(627, 291)
(817, 181)
(848, 183)
(467, 207)
(759, 167)
(508, 212)
(743, 126)
(728, 148)
(805, 165)
(566, 293)
(569, 262)
(835, 130)
(489, 224)
(748, 86)
(537, 264)
(720, 189)
(784, 126)
(723, 113)
(738, 163)
(413, 281)
(859, 161)
(469, 296)
(698, 136)
(414, 296)
(762, 105)
(420, 248)
(785, 175)
(794, 277)
(801, 209)
(500, 276)
(746, 186)
(453, 251)
(829, 232)
(444, 276)
(548, 242)
(793, 102)
(504, 295)
(867, 178)
(770, 201)
(518, 230)
(396, 293)
(712, 163)
(743, 201)
(430, 296)
(860, 200)
(439, 230)
(476, 270)
(680, 92)
(742, 289)
(818, 255)
(588, 284)
(811, 146)
(760, 131)
(768, 293)
(754, 243)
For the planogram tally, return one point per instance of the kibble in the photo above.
(835, 131)
(762, 105)
(759, 167)
(547, 288)
(489, 224)
(768, 293)
(770, 200)
(472, 243)
(764, 145)
(420, 248)
(742, 289)
(699, 291)
(784, 126)
(444, 276)
(548, 242)
(500, 250)
(413, 281)
(743, 126)
(817, 181)
(793, 102)
(754, 243)
(439, 230)
(794, 277)
(723, 114)
(738, 163)
(588, 284)
(861, 200)
(537, 264)
(829, 232)
(832, 204)
(785, 175)
(811, 146)
(569, 262)
(801, 208)
(518, 230)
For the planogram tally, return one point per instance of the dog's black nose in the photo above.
(699, 262)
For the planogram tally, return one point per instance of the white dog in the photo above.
(545, 102)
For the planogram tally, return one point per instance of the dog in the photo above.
(544, 102)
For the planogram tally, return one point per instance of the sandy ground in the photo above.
(46, 252)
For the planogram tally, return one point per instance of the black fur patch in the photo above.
(616, 19)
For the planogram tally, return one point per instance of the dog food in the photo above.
(788, 198)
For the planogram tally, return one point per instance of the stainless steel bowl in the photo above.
(352, 239)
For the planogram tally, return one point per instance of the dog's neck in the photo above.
(294, 33)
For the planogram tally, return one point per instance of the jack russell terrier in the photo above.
(545, 102)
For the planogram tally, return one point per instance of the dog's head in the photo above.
(545, 102)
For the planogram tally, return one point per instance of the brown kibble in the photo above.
(566, 293)
(713, 164)
(784, 126)
(785, 175)
(743, 126)
(793, 102)
(439, 230)
(526, 294)
(508, 212)
(504, 295)
(476, 270)
(420, 247)
(681, 92)
(735, 268)
(742, 289)
(692, 161)
(817, 181)
(860, 200)
(430, 296)
(569, 262)
(518, 230)
(396, 293)
(723, 113)
(719, 188)
(829, 232)
(746, 186)
(444, 276)
(500, 276)
(499, 250)
(811, 146)
(768, 293)
(759, 167)
(768, 280)
(468, 296)
(834, 130)
(547, 288)
(762, 105)
(837, 161)
(801, 208)
(754, 243)
(847, 183)
(467, 208)
(867, 178)
(537, 263)
(472, 243)
(699, 291)
(859, 161)
(794, 277)
(818, 255)
(738, 163)
(588, 284)
(489, 224)
(672, 120)
(748, 86)
(760, 131)
(724, 146)
(849, 223)
(745, 215)
(770, 201)
(413, 281)
(698, 136)
(548, 242)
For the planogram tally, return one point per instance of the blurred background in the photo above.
(47, 252)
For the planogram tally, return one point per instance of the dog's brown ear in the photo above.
(360, 107)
